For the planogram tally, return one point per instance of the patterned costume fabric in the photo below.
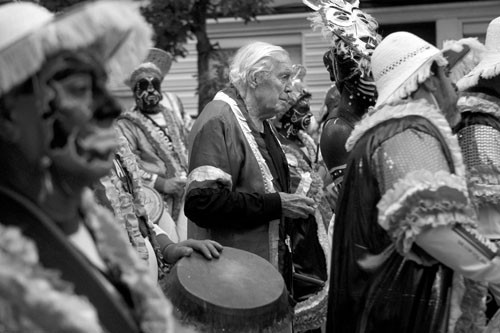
(124, 193)
(161, 152)
(126, 279)
(479, 136)
(390, 195)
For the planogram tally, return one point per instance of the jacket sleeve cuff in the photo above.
(272, 205)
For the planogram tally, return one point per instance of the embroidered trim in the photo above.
(207, 173)
(311, 313)
(264, 171)
(34, 298)
(172, 152)
(410, 108)
(480, 103)
(150, 306)
(128, 207)
(247, 132)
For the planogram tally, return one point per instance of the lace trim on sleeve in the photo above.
(484, 185)
(421, 200)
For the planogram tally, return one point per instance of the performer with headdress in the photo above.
(66, 265)
(310, 246)
(353, 35)
(156, 136)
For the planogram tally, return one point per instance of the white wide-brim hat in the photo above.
(400, 63)
(489, 66)
(114, 31)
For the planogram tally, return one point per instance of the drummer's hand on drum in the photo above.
(296, 205)
(209, 248)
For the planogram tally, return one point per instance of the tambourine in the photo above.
(153, 203)
(238, 292)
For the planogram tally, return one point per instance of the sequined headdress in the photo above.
(352, 32)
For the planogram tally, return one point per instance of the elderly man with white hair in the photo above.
(405, 222)
(238, 183)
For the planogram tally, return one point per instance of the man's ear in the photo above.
(8, 129)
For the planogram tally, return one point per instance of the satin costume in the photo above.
(405, 175)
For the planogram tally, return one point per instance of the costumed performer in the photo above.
(238, 185)
(136, 206)
(405, 221)
(353, 35)
(156, 136)
(310, 246)
(70, 267)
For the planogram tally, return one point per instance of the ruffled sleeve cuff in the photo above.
(422, 200)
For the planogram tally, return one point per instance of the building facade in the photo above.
(290, 28)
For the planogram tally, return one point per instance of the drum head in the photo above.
(239, 292)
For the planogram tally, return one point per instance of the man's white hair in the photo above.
(254, 58)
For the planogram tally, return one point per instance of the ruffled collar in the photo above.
(402, 109)
(479, 102)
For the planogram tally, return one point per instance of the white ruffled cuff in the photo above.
(421, 200)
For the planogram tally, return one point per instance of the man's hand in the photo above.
(174, 185)
(209, 248)
(296, 205)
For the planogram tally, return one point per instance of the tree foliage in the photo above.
(175, 22)
(58, 5)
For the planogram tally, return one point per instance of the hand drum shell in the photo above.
(239, 292)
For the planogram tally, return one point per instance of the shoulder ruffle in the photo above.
(421, 200)
(33, 298)
(479, 102)
(410, 108)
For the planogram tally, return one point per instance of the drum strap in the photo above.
(56, 252)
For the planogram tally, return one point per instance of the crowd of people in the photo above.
(384, 220)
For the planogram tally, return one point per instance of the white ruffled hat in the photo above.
(462, 55)
(400, 63)
(489, 66)
(115, 31)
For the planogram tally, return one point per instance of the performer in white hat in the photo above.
(67, 265)
(478, 135)
(405, 221)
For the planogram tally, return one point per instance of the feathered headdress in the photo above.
(352, 32)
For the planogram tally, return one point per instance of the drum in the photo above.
(239, 292)
(153, 203)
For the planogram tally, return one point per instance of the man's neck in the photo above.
(63, 205)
